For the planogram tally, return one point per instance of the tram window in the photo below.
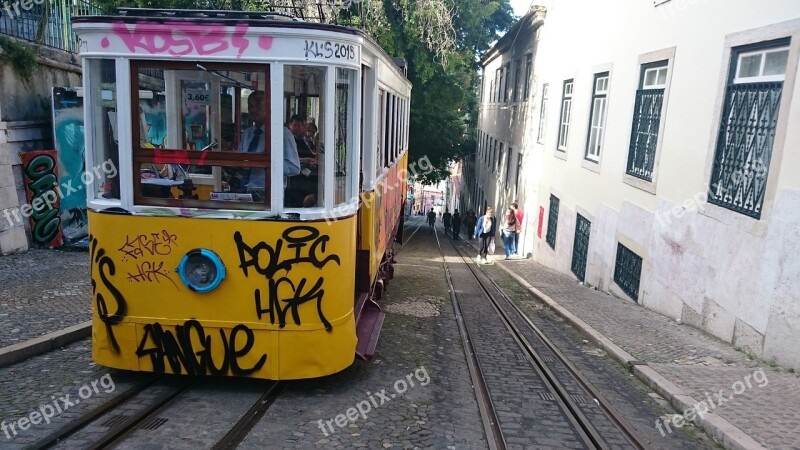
(304, 115)
(343, 133)
(105, 138)
(381, 160)
(387, 112)
(193, 124)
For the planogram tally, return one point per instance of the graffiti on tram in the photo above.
(299, 247)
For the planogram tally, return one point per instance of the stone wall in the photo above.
(25, 125)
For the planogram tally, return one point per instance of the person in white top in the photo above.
(253, 141)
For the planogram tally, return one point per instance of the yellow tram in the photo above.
(260, 187)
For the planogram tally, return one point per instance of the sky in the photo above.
(520, 6)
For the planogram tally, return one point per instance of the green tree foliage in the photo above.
(441, 40)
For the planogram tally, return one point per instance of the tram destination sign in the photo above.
(329, 50)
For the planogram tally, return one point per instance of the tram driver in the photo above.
(304, 186)
(253, 142)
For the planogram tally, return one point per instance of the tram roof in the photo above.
(252, 18)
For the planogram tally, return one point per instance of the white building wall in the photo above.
(719, 270)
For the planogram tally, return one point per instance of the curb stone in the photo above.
(15, 353)
(713, 424)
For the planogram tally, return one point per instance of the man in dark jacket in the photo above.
(447, 220)
(456, 224)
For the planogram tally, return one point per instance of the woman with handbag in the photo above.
(485, 230)
(509, 229)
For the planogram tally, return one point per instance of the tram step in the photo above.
(368, 329)
(359, 306)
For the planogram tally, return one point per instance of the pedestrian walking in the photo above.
(509, 229)
(431, 219)
(519, 215)
(486, 228)
(447, 220)
(470, 220)
(456, 224)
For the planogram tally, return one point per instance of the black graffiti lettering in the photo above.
(279, 307)
(107, 268)
(233, 358)
(298, 245)
(178, 349)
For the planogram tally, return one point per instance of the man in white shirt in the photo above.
(253, 141)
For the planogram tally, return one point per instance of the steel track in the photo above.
(121, 431)
(491, 424)
(572, 411)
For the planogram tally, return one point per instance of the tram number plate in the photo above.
(328, 50)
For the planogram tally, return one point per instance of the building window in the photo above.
(517, 81)
(628, 271)
(528, 72)
(552, 222)
(498, 76)
(566, 113)
(647, 120)
(597, 118)
(508, 165)
(542, 114)
(747, 127)
(491, 91)
(580, 248)
(519, 171)
(499, 161)
(509, 83)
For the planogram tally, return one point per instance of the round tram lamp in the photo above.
(201, 270)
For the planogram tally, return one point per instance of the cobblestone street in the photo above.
(43, 291)
(426, 395)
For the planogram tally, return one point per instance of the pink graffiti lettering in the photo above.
(178, 39)
(150, 272)
(153, 244)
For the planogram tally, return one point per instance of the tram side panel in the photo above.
(283, 311)
(380, 217)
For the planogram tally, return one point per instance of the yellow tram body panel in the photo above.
(283, 311)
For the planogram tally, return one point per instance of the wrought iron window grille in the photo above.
(580, 248)
(552, 222)
(628, 271)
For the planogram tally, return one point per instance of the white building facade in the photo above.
(655, 149)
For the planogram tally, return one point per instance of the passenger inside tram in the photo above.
(253, 141)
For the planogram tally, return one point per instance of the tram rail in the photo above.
(508, 311)
(173, 390)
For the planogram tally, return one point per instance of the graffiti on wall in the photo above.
(40, 173)
(68, 133)
(286, 292)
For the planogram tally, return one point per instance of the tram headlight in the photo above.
(201, 270)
